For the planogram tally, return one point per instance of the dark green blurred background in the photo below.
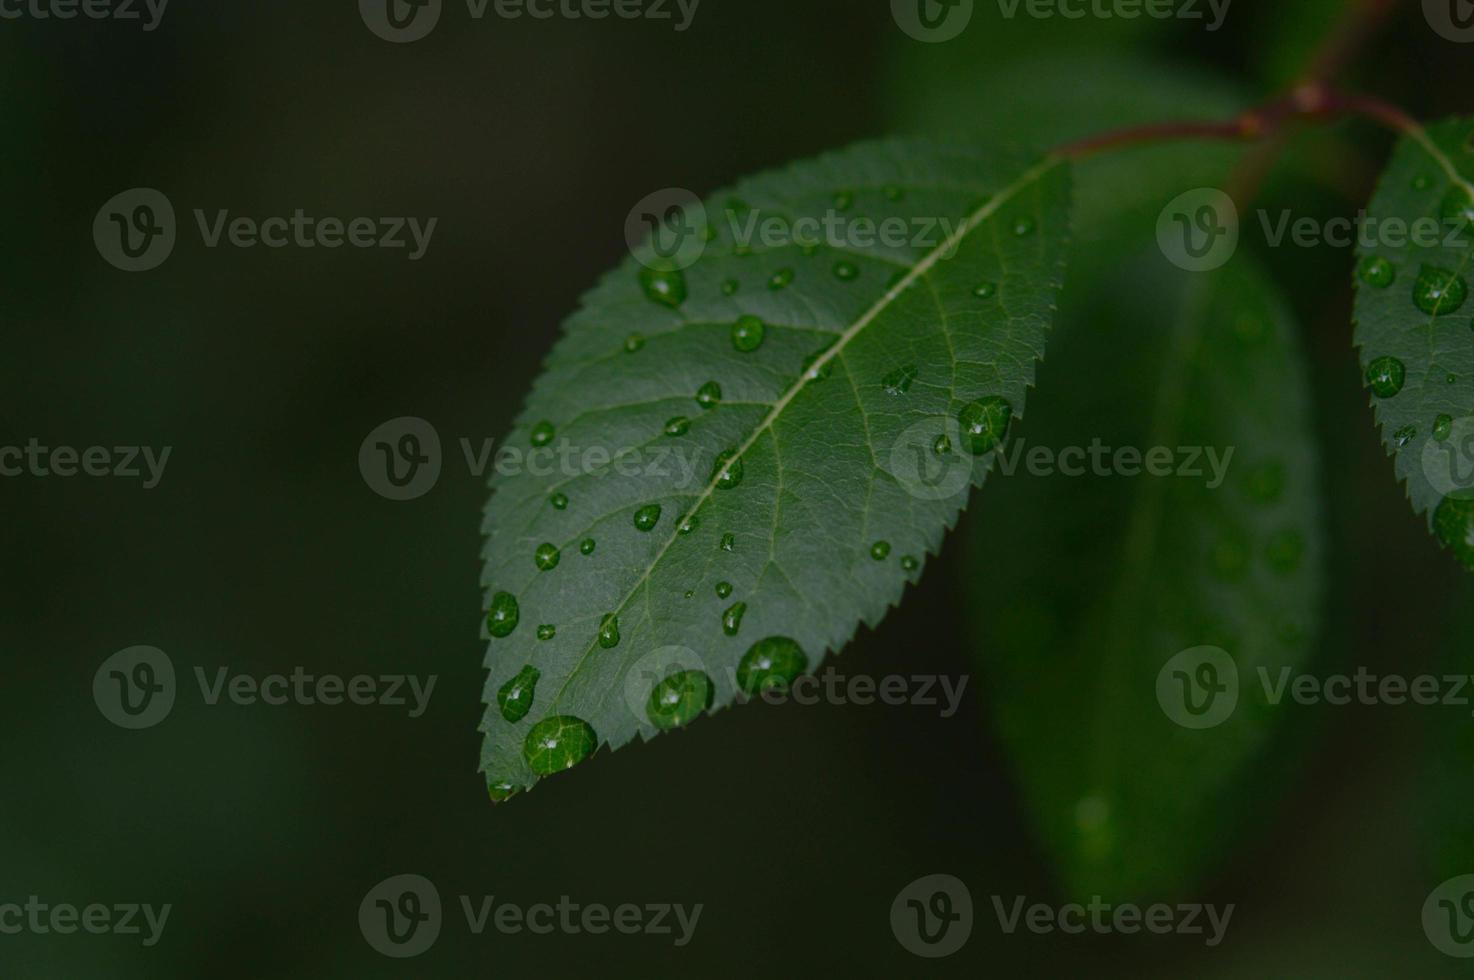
(263, 549)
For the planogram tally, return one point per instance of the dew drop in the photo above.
(1377, 271)
(709, 395)
(647, 517)
(609, 632)
(894, 193)
(909, 563)
(1454, 523)
(729, 542)
(880, 550)
(1457, 208)
(515, 696)
(899, 381)
(782, 279)
(728, 470)
(558, 743)
(502, 618)
(771, 663)
(724, 589)
(633, 343)
(1422, 182)
(546, 557)
(1442, 427)
(687, 525)
(1023, 226)
(730, 287)
(732, 618)
(1386, 375)
(677, 426)
(547, 631)
(985, 423)
(543, 433)
(1439, 292)
(677, 700)
(1405, 435)
(942, 446)
(986, 291)
(747, 334)
(559, 501)
(664, 286)
(844, 200)
(586, 546)
(500, 791)
(846, 271)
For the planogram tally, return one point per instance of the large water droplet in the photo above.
(899, 381)
(587, 546)
(647, 517)
(985, 423)
(609, 632)
(678, 426)
(502, 618)
(747, 334)
(678, 699)
(1439, 292)
(515, 696)
(732, 618)
(558, 743)
(546, 557)
(1386, 375)
(1454, 523)
(771, 663)
(728, 470)
(543, 433)
(709, 395)
(1377, 272)
(664, 286)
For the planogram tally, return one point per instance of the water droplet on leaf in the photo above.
(678, 699)
(724, 589)
(1377, 271)
(728, 470)
(547, 631)
(771, 663)
(559, 501)
(546, 557)
(587, 546)
(609, 632)
(502, 618)
(880, 550)
(985, 423)
(1439, 292)
(647, 517)
(664, 286)
(899, 381)
(558, 743)
(515, 696)
(747, 334)
(1454, 523)
(678, 426)
(709, 395)
(543, 433)
(1386, 375)
(782, 279)
(732, 618)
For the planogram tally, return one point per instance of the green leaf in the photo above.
(1413, 324)
(1107, 578)
(774, 401)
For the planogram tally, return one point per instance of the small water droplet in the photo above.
(503, 615)
(1422, 182)
(942, 446)
(677, 426)
(664, 286)
(633, 343)
(985, 423)
(690, 593)
(909, 563)
(1454, 523)
(647, 517)
(1285, 551)
(782, 279)
(1386, 375)
(730, 287)
(1442, 427)
(732, 618)
(1457, 208)
(898, 382)
(709, 395)
(687, 525)
(1265, 483)
(1377, 271)
(677, 700)
(609, 632)
(985, 291)
(729, 542)
(846, 271)
(543, 433)
(774, 662)
(558, 743)
(1405, 435)
(894, 193)
(559, 501)
(843, 201)
(587, 546)
(546, 557)
(747, 334)
(724, 589)
(880, 550)
(728, 470)
(1231, 557)
(1023, 226)
(809, 248)
(1439, 292)
(813, 370)
(547, 631)
(515, 696)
